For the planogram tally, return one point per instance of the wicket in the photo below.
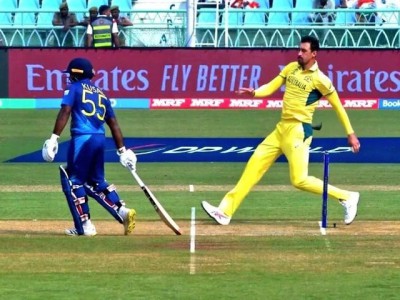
(324, 216)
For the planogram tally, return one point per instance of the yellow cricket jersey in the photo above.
(303, 90)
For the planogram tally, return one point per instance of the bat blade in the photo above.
(161, 211)
(164, 216)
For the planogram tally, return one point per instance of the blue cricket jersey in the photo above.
(90, 107)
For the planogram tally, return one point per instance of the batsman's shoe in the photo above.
(130, 221)
(88, 230)
(215, 213)
(350, 207)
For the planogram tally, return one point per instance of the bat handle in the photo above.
(135, 175)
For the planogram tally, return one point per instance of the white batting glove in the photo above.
(50, 148)
(127, 158)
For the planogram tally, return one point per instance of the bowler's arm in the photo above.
(269, 88)
(352, 139)
(264, 90)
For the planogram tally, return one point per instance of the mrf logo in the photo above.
(206, 102)
(246, 103)
(167, 102)
(372, 103)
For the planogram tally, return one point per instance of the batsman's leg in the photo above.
(77, 203)
(106, 195)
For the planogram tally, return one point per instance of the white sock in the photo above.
(123, 211)
(87, 223)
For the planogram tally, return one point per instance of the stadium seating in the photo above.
(208, 14)
(22, 17)
(254, 18)
(153, 14)
(207, 17)
(97, 3)
(124, 5)
(46, 13)
(9, 4)
(302, 18)
(5, 18)
(77, 4)
(79, 7)
(344, 17)
(278, 18)
(235, 17)
(28, 4)
(44, 18)
(51, 5)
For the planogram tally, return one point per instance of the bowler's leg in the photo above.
(259, 163)
(262, 159)
(298, 158)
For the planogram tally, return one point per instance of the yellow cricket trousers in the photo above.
(291, 138)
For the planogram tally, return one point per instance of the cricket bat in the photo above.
(165, 217)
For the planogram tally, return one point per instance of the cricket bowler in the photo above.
(292, 136)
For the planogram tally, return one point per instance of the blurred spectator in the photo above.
(121, 22)
(390, 21)
(67, 20)
(93, 13)
(323, 17)
(390, 18)
(338, 3)
(365, 16)
(366, 4)
(346, 4)
(244, 3)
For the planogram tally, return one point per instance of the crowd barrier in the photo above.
(339, 28)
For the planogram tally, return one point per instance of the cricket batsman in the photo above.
(89, 109)
(305, 86)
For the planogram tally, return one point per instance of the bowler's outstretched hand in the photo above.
(354, 143)
(245, 92)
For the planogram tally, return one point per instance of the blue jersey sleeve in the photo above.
(109, 110)
(69, 96)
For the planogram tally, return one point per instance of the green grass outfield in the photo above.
(271, 250)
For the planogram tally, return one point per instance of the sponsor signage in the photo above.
(393, 104)
(205, 76)
(187, 103)
(373, 150)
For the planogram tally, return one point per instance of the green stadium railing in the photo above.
(168, 28)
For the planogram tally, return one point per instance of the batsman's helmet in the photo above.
(81, 68)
